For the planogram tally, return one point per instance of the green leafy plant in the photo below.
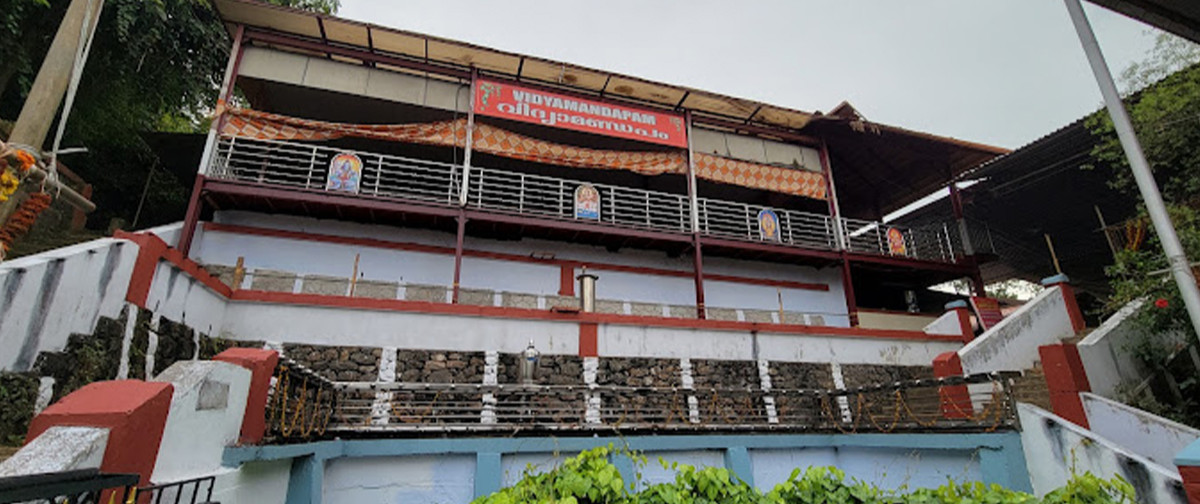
(590, 478)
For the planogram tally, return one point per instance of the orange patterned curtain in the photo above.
(500, 142)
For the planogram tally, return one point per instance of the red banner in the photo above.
(509, 101)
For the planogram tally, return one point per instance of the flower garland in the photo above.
(14, 166)
(22, 220)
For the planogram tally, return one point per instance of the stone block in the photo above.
(760, 316)
(646, 309)
(683, 311)
(273, 281)
(610, 306)
(428, 293)
(375, 289)
(721, 314)
(790, 317)
(223, 273)
(816, 320)
(516, 300)
(325, 285)
(565, 301)
(477, 297)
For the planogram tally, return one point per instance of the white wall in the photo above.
(44, 298)
(1012, 345)
(639, 341)
(207, 407)
(317, 258)
(1151, 436)
(887, 468)
(446, 479)
(253, 483)
(1106, 354)
(1055, 447)
(179, 297)
(338, 326)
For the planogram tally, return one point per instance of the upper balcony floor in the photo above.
(436, 187)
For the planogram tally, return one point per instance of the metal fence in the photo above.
(86, 486)
(306, 166)
(915, 405)
(300, 403)
(189, 491)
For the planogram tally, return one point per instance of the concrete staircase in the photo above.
(1031, 388)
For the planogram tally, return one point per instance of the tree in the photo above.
(154, 65)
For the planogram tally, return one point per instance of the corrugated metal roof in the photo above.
(1181, 17)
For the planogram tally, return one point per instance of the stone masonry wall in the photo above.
(338, 363)
(432, 366)
(660, 406)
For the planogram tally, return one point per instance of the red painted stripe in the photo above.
(597, 318)
(151, 249)
(566, 281)
(433, 249)
(588, 345)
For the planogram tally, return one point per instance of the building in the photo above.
(408, 220)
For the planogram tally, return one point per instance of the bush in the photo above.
(589, 478)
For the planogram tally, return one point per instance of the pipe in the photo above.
(37, 176)
(1141, 168)
(587, 291)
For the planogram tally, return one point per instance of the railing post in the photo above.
(749, 225)
(378, 174)
(521, 196)
(562, 194)
(612, 205)
(312, 166)
(647, 196)
(787, 216)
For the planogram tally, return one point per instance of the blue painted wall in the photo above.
(455, 470)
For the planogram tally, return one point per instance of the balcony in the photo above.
(304, 166)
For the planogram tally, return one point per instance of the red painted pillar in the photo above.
(1066, 378)
(1188, 462)
(963, 312)
(133, 411)
(1062, 282)
(458, 254)
(261, 364)
(848, 290)
(955, 399)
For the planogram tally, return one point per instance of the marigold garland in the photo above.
(22, 220)
(14, 164)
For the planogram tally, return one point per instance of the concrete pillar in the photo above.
(1066, 378)
(963, 312)
(134, 412)
(1188, 462)
(261, 364)
(1063, 283)
(955, 399)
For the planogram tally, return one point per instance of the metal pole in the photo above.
(697, 254)
(1137, 162)
(466, 176)
(835, 209)
(227, 83)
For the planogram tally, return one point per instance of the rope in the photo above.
(87, 32)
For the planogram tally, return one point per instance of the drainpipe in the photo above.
(1176, 257)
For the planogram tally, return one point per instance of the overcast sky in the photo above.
(1003, 72)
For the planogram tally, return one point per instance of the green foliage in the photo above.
(18, 393)
(154, 66)
(590, 478)
(1164, 117)
(1089, 489)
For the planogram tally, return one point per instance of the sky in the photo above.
(1000, 72)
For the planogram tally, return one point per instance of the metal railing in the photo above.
(189, 491)
(306, 166)
(915, 405)
(85, 486)
(300, 403)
